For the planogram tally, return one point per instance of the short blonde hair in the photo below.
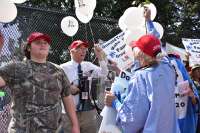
(144, 58)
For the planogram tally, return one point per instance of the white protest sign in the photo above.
(181, 100)
(115, 51)
(193, 47)
(108, 124)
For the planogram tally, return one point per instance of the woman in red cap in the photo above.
(37, 88)
(149, 105)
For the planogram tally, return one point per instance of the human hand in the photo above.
(187, 92)
(147, 13)
(74, 89)
(98, 51)
(187, 56)
(75, 129)
(114, 67)
(109, 97)
(185, 88)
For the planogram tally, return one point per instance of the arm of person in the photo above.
(70, 109)
(149, 24)
(112, 100)
(2, 82)
(74, 89)
(114, 67)
(192, 92)
(133, 110)
(102, 70)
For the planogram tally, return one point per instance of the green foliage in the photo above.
(179, 18)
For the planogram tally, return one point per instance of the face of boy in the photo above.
(39, 48)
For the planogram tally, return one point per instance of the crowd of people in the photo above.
(48, 98)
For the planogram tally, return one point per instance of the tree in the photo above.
(179, 18)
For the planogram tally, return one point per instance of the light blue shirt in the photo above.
(151, 29)
(149, 106)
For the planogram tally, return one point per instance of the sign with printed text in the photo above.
(115, 51)
(181, 99)
(193, 47)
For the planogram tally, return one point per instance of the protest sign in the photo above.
(192, 46)
(115, 51)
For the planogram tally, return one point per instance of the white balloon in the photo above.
(133, 17)
(69, 25)
(82, 3)
(85, 10)
(153, 9)
(8, 11)
(18, 1)
(159, 28)
(133, 35)
(84, 18)
(121, 24)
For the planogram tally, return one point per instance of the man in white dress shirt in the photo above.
(85, 109)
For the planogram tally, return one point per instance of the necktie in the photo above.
(80, 72)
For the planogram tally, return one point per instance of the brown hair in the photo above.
(27, 50)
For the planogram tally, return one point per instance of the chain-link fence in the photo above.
(31, 19)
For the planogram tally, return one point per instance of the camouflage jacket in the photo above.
(36, 91)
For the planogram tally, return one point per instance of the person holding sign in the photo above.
(186, 97)
(149, 104)
(195, 74)
(79, 73)
(37, 87)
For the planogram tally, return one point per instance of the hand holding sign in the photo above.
(184, 88)
(181, 98)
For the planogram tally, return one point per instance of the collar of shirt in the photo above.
(74, 63)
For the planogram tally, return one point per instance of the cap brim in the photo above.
(133, 44)
(44, 37)
(198, 66)
(84, 44)
(79, 44)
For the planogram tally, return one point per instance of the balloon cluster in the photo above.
(8, 10)
(132, 22)
(84, 10)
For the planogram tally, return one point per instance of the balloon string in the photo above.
(86, 33)
(92, 40)
(92, 33)
(145, 27)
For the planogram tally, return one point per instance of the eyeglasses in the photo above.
(82, 49)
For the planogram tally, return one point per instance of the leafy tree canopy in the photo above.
(180, 18)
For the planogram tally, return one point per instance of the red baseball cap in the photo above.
(36, 36)
(77, 43)
(148, 44)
